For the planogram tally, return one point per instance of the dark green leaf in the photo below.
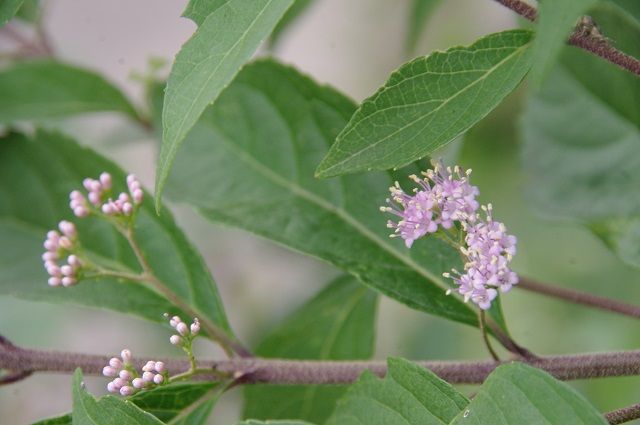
(428, 102)
(109, 410)
(337, 324)
(36, 176)
(408, 395)
(249, 163)
(8, 9)
(557, 18)
(280, 422)
(47, 89)
(29, 11)
(229, 32)
(632, 7)
(419, 14)
(165, 403)
(582, 145)
(517, 394)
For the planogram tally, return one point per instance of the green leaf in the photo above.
(581, 138)
(419, 14)
(408, 395)
(109, 410)
(226, 38)
(36, 177)
(29, 11)
(428, 102)
(632, 7)
(516, 394)
(249, 163)
(280, 422)
(337, 324)
(48, 89)
(557, 19)
(165, 402)
(8, 9)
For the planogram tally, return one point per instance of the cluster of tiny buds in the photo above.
(57, 245)
(185, 332)
(126, 379)
(98, 190)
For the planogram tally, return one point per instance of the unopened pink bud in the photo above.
(54, 281)
(119, 383)
(76, 195)
(127, 208)
(68, 281)
(94, 198)
(73, 261)
(111, 388)
(126, 356)
(175, 340)
(137, 196)
(159, 367)
(51, 245)
(125, 374)
(50, 256)
(67, 228)
(105, 180)
(182, 329)
(138, 383)
(147, 376)
(53, 269)
(115, 363)
(158, 379)
(126, 391)
(65, 243)
(195, 327)
(87, 183)
(109, 372)
(95, 186)
(67, 270)
(108, 209)
(80, 212)
(131, 178)
(149, 367)
(123, 197)
(53, 235)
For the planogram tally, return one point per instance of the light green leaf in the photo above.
(8, 9)
(165, 403)
(408, 395)
(48, 89)
(36, 177)
(249, 163)
(280, 422)
(337, 324)
(517, 394)
(109, 410)
(428, 102)
(298, 8)
(632, 7)
(419, 14)
(224, 41)
(557, 19)
(581, 138)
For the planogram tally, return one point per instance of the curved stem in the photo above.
(485, 336)
(582, 37)
(578, 297)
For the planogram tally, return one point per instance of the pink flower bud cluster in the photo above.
(126, 379)
(98, 192)
(444, 197)
(186, 333)
(57, 245)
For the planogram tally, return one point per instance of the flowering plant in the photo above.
(257, 145)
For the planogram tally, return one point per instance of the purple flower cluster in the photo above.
(186, 333)
(98, 192)
(446, 197)
(127, 381)
(57, 245)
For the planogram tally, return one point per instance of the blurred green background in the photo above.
(353, 46)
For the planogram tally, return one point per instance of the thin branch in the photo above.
(582, 298)
(583, 37)
(278, 371)
(626, 414)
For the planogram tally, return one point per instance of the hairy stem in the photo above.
(580, 298)
(623, 415)
(278, 371)
(587, 40)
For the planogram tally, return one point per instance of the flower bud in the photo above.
(68, 281)
(127, 208)
(115, 363)
(51, 245)
(126, 391)
(109, 372)
(126, 356)
(67, 270)
(160, 367)
(65, 243)
(147, 377)
(138, 383)
(182, 329)
(105, 180)
(111, 388)
(119, 383)
(195, 327)
(149, 366)
(158, 379)
(73, 261)
(67, 228)
(49, 256)
(80, 212)
(175, 340)
(125, 374)
(54, 281)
